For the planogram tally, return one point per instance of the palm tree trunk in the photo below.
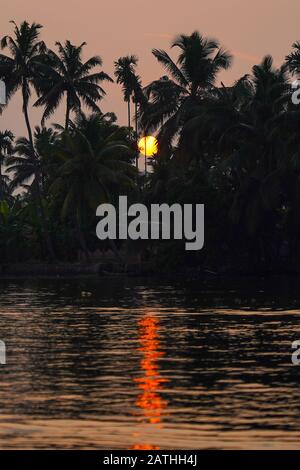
(68, 110)
(136, 117)
(129, 117)
(26, 115)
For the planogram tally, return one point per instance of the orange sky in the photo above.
(113, 28)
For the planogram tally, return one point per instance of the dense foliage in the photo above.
(234, 148)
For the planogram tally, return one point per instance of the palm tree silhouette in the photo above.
(23, 164)
(65, 74)
(92, 161)
(20, 70)
(293, 59)
(127, 77)
(161, 102)
(193, 75)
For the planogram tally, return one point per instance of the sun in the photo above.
(148, 146)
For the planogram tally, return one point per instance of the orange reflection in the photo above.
(150, 400)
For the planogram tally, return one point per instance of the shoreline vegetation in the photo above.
(234, 148)
(113, 269)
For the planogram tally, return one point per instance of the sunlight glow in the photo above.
(150, 401)
(148, 146)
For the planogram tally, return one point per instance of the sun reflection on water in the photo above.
(150, 401)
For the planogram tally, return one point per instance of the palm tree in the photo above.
(161, 102)
(26, 168)
(6, 147)
(246, 125)
(131, 83)
(20, 69)
(23, 166)
(29, 171)
(293, 59)
(193, 76)
(65, 74)
(199, 62)
(93, 163)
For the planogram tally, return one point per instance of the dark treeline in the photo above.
(236, 149)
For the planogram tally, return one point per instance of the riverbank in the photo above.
(112, 268)
(72, 269)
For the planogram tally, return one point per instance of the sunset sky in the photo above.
(115, 28)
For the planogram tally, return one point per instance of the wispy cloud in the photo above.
(246, 57)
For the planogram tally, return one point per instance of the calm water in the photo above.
(134, 364)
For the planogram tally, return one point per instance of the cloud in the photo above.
(246, 57)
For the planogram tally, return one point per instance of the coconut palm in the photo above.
(160, 102)
(126, 76)
(29, 171)
(199, 62)
(23, 166)
(193, 75)
(93, 164)
(20, 69)
(293, 59)
(65, 74)
(251, 139)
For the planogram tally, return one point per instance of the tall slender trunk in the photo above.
(25, 111)
(129, 118)
(38, 176)
(68, 110)
(136, 117)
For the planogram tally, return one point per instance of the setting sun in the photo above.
(148, 146)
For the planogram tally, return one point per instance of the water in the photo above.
(139, 364)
